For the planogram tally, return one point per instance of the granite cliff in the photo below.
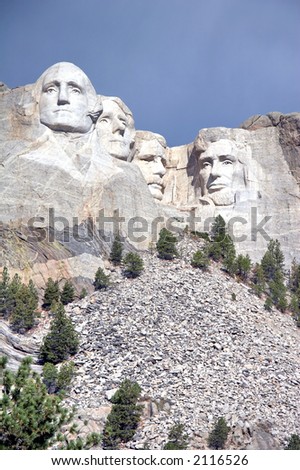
(74, 171)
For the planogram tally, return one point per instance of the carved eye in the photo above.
(227, 162)
(51, 90)
(206, 165)
(104, 119)
(76, 91)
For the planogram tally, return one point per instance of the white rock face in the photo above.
(150, 156)
(72, 163)
(57, 174)
(116, 129)
(67, 99)
(244, 176)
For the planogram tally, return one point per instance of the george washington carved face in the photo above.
(67, 99)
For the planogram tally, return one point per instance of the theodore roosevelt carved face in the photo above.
(67, 100)
(222, 172)
(116, 129)
(150, 157)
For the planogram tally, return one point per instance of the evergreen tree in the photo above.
(65, 376)
(177, 439)
(101, 279)
(215, 251)
(133, 265)
(50, 374)
(228, 254)
(58, 380)
(13, 289)
(116, 251)
(258, 280)
(83, 293)
(200, 259)
(124, 417)
(273, 260)
(218, 436)
(294, 442)
(268, 304)
(52, 293)
(68, 293)
(218, 230)
(25, 310)
(4, 293)
(294, 283)
(277, 292)
(30, 417)
(62, 339)
(166, 245)
(243, 266)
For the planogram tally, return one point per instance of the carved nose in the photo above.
(63, 96)
(216, 171)
(119, 126)
(159, 168)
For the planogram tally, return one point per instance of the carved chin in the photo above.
(156, 191)
(224, 197)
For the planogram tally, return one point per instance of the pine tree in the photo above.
(116, 251)
(50, 374)
(243, 266)
(13, 289)
(258, 280)
(124, 417)
(228, 254)
(177, 439)
(218, 436)
(133, 265)
(294, 442)
(4, 292)
(200, 259)
(58, 380)
(30, 416)
(294, 283)
(273, 260)
(83, 293)
(101, 279)
(25, 310)
(52, 293)
(166, 245)
(62, 339)
(218, 230)
(68, 293)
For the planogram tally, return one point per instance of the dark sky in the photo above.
(179, 65)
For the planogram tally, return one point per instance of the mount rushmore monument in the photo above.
(74, 171)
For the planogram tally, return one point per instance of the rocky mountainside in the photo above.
(196, 353)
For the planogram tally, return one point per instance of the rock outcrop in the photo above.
(74, 171)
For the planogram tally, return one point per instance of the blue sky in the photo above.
(180, 65)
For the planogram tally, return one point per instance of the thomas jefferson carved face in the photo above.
(67, 98)
(151, 160)
(221, 172)
(116, 130)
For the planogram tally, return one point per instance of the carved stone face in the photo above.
(65, 99)
(115, 131)
(221, 173)
(151, 160)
